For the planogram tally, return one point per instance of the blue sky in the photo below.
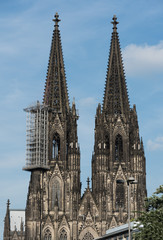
(25, 39)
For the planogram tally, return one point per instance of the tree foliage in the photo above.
(150, 222)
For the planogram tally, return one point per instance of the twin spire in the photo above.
(115, 95)
(56, 93)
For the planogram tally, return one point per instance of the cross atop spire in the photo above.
(8, 203)
(88, 181)
(56, 19)
(114, 22)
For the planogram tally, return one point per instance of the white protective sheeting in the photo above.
(16, 217)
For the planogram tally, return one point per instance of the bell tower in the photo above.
(118, 150)
(54, 191)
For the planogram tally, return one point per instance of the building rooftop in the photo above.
(117, 230)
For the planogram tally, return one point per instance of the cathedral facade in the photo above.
(55, 208)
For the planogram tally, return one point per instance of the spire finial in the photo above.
(114, 22)
(56, 19)
(8, 203)
(88, 181)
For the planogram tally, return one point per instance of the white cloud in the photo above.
(87, 102)
(156, 144)
(143, 59)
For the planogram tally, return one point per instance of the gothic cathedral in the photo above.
(55, 209)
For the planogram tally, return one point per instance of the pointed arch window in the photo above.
(47, 235)
(88, 236)
(118, 148)
(120, 195)
(107, 143)
(56, 146)
(56, 193)
(63, 235)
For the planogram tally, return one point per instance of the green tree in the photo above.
(150, 223)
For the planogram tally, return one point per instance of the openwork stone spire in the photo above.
(115, 96)
(56, 93)
(6, 233)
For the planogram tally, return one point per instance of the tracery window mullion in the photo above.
(56, 146)
(56, 190)
(118, 148)
(47, 235)
(63, 235)
(120, 195)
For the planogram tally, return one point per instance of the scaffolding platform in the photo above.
(36, 137)
(36, 167)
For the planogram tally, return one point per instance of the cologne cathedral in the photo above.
(55, 207)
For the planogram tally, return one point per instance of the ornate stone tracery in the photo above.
(56, 192)
(47, 234)
(88, 236)
(118, 148)
(63, 235)
(56, 145)
(120, 195)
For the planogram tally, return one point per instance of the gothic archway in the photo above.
(47, 234)
(88, 233)
(63, 235)
(88, 236)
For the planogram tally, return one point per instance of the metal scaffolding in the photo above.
(36, 137)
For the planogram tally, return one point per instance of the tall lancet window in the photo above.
(56, 146)
(47, 235)
(120, 196)
(56, 193)
(107, 143)
(63, 235)
(118, 148)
